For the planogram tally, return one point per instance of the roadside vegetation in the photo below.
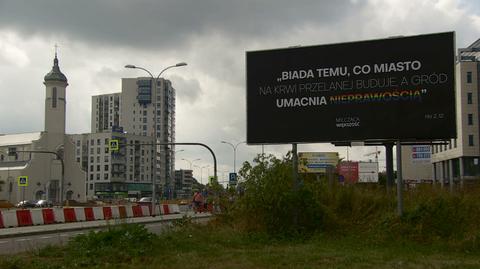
(268, 224)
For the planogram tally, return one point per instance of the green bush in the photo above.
(272, 204)
(118, 244)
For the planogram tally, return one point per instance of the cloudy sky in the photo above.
(97, 39)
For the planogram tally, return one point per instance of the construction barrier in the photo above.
(48, 217)
(88, 211)
(42, 216)
(69, 214)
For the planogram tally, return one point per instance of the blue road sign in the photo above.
(23, 181)
(232, 177)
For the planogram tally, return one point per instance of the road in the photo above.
(50, 235)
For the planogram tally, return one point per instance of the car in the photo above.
(145, 200)
(44, 203)
(26, 204)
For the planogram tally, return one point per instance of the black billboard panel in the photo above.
(390, 89)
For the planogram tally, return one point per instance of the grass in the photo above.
(227, 249)
(220, 247)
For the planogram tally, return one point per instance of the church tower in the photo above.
(55, 104)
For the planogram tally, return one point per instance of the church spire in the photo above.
(55, 74)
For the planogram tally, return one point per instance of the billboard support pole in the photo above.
(399, 179)
(296, 184)
(389, 165)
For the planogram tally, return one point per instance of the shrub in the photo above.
(118, 244)
(272, 204)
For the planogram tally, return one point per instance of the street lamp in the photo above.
(154, 81)
(190, 162)
(234, 153)
(201, 172)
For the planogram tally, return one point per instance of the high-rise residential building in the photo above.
(105, 112)
(143, 108)
(458, 160)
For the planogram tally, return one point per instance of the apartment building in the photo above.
(127, 172)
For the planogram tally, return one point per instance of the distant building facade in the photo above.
(183, 183)
(458, 160)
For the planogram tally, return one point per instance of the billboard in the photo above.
(367, 172)
(348, 172)
(389, 89)
(316, 162)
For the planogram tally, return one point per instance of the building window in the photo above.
(106, 141)
(105, 176)
(98, 150)
(470, 119)
(98, 176)
(106, 167)
(470, 140)
(78, 143)
(98, 159)
(91, 176)
(91, 168)
(469, 98)
(469, 77)
(106, 158)
(78, 159)
(98, 142)
(91, 186)
(92, 142)
(54, 97)
(106, 150)
(98, 168)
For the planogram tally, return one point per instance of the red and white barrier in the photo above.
(29, 217)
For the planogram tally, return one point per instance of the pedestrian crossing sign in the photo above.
(23, 181)
(113, 144)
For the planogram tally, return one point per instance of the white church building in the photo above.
(39, 155)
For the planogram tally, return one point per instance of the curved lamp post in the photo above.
(190, 162)
(234, 153)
